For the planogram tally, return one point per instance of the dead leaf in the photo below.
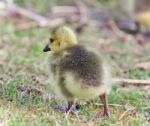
(143, 66)
(28, 90)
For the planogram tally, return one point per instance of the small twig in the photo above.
(83, 12)
(124, 113)
(40, 20)
(116, 105)
(38, 89)
(117, 31)
(26, 13)
(127, 82)
(64, 10)
(113, 105)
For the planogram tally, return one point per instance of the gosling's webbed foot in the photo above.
(104, 116)
(64, 108)
(61, 108)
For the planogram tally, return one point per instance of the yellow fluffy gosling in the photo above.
(77, 71)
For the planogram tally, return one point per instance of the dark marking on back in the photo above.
(84, 64)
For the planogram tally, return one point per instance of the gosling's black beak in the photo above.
(46, 49)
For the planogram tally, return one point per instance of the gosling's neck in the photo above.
(62, 49)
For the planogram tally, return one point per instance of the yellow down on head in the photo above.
(62, 38)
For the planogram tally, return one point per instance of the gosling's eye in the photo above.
(51, 40)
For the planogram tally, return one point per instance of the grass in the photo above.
(23, 65)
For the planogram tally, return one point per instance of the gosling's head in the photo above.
(61, 38)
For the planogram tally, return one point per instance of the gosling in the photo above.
(77, 71)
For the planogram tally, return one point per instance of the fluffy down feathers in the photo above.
(80, 72)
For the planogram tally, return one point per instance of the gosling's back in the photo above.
(84, 64)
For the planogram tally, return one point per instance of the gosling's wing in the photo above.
(84, 64)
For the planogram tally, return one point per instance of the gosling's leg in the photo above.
(70, 103)
(105, 105)
(73, 110)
